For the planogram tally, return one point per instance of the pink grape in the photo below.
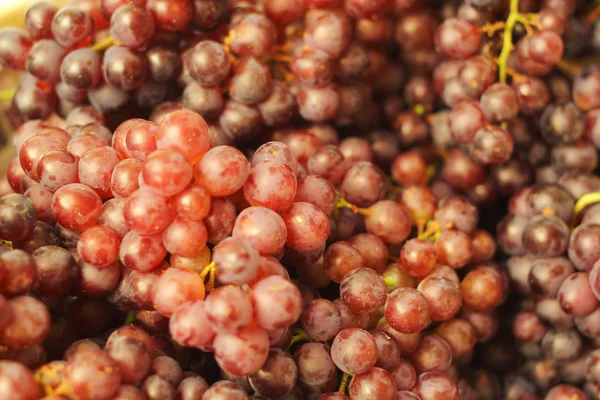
(184, 237)
(277, 302)
(76, 207)
(272, 185)
(222, 171)
(141, 253)
(186, 132)
(242, 353)
(307, 226)
(263, 228)
(99, 246)
(175, 287)
(167, 172)
(147, 212)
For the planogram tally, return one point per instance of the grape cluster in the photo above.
(302, 199)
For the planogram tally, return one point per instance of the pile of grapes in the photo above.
(302, 199)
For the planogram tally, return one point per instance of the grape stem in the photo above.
(343, 203)
(432, 232)
(344, 382)
(7, 243)
(130, 319)
(572, 68)
(7, 94)
(209, 270)
(390, 281)
(104, 44)
(514, 16)
(584, 201)
(298, 335)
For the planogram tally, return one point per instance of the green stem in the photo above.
(390, 281)
(299, 335)
(104, 44)
(586, 200)
(507, 44)
(344, 382)
(130, 319)
(7, 94)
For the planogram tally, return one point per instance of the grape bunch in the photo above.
(302, 199)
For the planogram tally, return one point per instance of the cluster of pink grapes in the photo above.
(302, 200)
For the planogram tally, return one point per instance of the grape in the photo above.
(432, 354)
(457, 38)
(576, 296)
(225, 390)
(192, 387)
(406, 395)
(55, 271)
(148, 213)
(277, 376)
(242, 353)
(222, 171)
(250, 83)
(546, 236)
(176, 286)
(443, 296)
(565, 392)
(465, 120)
(270, 184)
(279, 107)
(132, 26)
(32, 325)
(492, 145)
(35, 147)
(167, 368)
(354, 351)
(16, 381)
(76, 206)
(389, 221)
(459, 334)
(318, 191)
(252, 35)
(418, 257)
(482, 288)
(220, 220)
(169, 15)
(408, 168)
(547, 274)
(435, 385)
(71, 25)
(38, 20)
(123, 68)
(131, 357)
(321, 319)
(277, 302)
(128, 392)
(527, 327)
(97, 282)
(388, 351)
(184, 237)
(475, 76)
(189, 325)
(363, 290)
(156, 387)
(561, 345)
(141, 253)
(307, 226)
(376, 382)
(44, 60)
(314, 362)
(18, 272)
(228, 309)
(318, 104)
